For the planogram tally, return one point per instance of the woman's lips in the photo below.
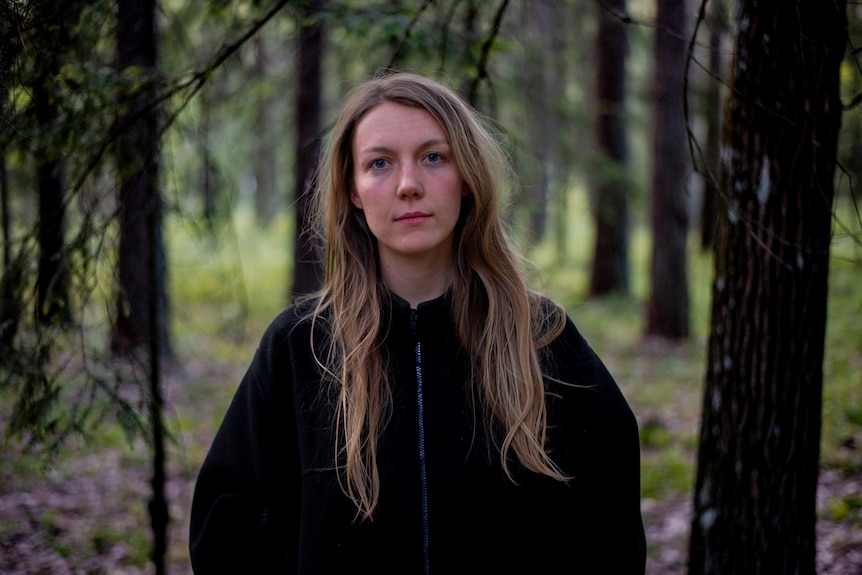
(413, 217)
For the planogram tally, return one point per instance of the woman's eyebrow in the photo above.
(380, 148)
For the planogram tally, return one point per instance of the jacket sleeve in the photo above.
(607, 460)
(616, 528)
(242, 519)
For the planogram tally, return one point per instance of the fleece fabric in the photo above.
(268, 498)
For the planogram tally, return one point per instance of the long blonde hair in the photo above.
(500, 322)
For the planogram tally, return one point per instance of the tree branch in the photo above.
(482, 64)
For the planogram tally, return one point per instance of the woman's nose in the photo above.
(408, 182)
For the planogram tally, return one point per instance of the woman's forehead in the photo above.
(393, 123)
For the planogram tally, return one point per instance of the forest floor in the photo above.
(88, 513)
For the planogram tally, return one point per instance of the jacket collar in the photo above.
(432, 316)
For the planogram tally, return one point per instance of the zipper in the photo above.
(423, 470)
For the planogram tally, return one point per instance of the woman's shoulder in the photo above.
(552, 324)
(542, 302)
(298, 319)
(559, 339)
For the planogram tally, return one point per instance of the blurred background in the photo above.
(156, 160)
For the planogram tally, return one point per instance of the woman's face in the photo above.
(407, 184)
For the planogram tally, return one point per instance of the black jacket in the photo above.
(267, 499)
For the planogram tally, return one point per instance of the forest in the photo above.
(687, 188)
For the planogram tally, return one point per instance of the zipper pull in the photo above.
(414, 319)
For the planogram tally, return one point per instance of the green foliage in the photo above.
(844, 508)
(669, 472)
(231, 282)
(842, 368)
(61, 93)
(655, 435)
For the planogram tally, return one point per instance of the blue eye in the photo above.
(434, 157)
(378, 164)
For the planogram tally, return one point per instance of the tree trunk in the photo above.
(576, 58)
(533, 171)
(208, 181)
(712, 148)
(4, 213)
(755, 494)
(142, 311)
(12, 280)
(308, 256)
(53, 273)
(265, 163)
(667, 308)
(8, 50)
(611, 180)
(139, 186)
(468, 59)
(53, 279)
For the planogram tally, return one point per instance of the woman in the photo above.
(425, 412)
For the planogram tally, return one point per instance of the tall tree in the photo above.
(55, 34)
(467, 58)
(53, 277)
(4, 210)
(577, 109)
(9, 318)
(611, 179)
(142, 315)
(667, 308)
(712, 104)
(208, 175)
(139, 179)
(265, 162)
(308, 262)
(755, 494)
(208, 180)
(542, 93)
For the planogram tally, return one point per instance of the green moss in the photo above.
(844, 508)
(654, 435)
(667, 472)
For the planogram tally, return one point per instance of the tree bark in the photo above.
(308, 258)
(265, 163)
(468, 59)
(207, 175)
(667, 308)
(53, 279)
(9, 48)
(53, 272)
(4, 213)
(543, 92)
(712, 148)
(142, 312)
(611, 182)
(755, 494)
(139, 181)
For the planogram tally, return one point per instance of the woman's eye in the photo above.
(378, 164)
(434, 157)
